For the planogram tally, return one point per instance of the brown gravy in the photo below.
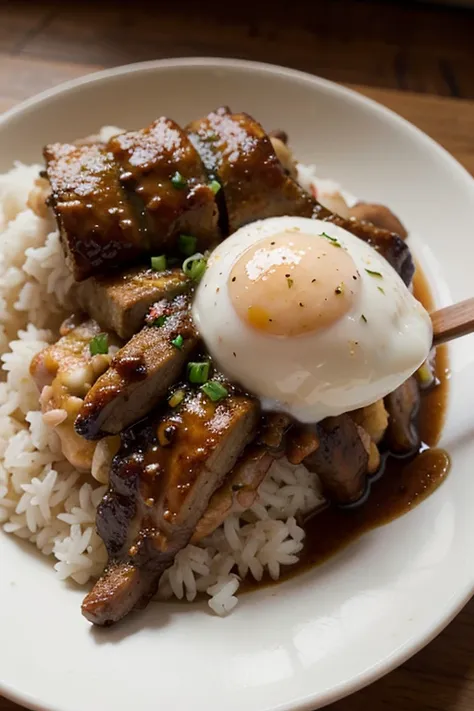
(403, 484)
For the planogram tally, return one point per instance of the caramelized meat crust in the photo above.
(237, 152)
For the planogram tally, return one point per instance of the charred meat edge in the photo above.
(336, 452)
(140, 373)
(159, 492)
(114, 203)
(238, 153)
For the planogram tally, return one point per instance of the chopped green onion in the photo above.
(160, 321)
(194, 266)
(198, 373)
(364, 319)
(99, 345)
(215, 186)
(176, 398)
(214, 390)
(178, 342)
(374, 274)
(381, 290)
(424, 375)
(178, 181)
(187, 245)
(158, 263)
(333, 240)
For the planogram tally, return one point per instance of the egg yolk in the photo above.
(293, 283)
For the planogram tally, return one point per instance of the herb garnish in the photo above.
(363, 318)
(159, 321)
(381, 290)
(214, 390)
(290, 282)
(215, 186)
(178, 342)
(187, 245)
(178, 181)
(195, 266)
(158, 263)
(176, 398)
(333, 240)
(99, 345)
(198, 373)
(379, 275)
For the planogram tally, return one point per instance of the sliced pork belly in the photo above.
(237, 153)
(141, 372)
(134, 195)
(239, 491)
(96, 222)
(120, 301)
(338, 451)
(164, 177)
(161, 483)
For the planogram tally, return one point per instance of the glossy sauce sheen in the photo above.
(403, 484)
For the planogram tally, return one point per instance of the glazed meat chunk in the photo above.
(141, 372)
(237, 153)
(120, 301)
(96, 222)
(133, 196)
(161, 483)
(164, 177)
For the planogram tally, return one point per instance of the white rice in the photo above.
(44, 499)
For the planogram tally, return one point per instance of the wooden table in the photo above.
(426, 50)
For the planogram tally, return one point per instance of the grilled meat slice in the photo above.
(373, 418)
(380, 216)
(164, 176)
(120, 301)
(237, 493)
(97, 225)
(63, 373)
(336, 452)
(388, 244)
(159, 492)
(114, 202)
(141, 372)
(237, 152)
(402, 406)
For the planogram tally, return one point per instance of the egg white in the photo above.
(361, 358)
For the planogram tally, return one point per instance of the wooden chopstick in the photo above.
(453, 322)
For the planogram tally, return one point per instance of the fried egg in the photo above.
(309, 318)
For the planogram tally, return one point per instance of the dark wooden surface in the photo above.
(397, 51)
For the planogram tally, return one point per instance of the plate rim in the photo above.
(398, 657)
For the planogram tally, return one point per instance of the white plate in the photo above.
(324, 634)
